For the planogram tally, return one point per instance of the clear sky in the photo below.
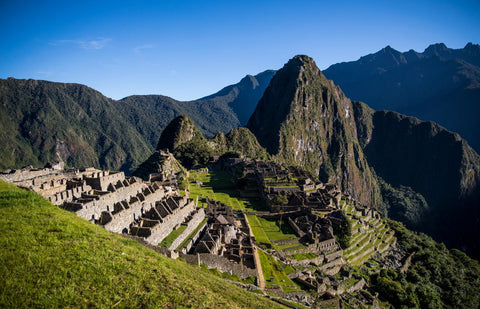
(189, 49)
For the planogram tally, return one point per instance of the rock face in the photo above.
(440, 84)
(304, 119)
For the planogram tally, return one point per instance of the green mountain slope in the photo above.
(220, 112)
(303, 119)
(429, 177)
(43, 121)
(52, 258)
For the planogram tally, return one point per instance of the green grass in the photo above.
(167, 241)
(52, 258)
(218, 185)
(304, 256)
(257, 229)
(273, 230)
(274, 269)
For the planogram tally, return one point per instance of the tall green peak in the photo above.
(179, 131)
(304, 119)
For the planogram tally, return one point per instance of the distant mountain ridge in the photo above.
(44, 121)
(440, 84)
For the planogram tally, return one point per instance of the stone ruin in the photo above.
(120, 204)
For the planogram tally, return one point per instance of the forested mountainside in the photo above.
(44, 121)
(440, 84)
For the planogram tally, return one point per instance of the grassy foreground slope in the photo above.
(51, 258)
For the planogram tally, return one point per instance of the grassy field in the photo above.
(275, 273)
(52, 258)
(218, 185)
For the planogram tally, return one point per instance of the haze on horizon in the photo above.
(190, 49)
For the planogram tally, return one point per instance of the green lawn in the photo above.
(257, 229)
(51, 258)
(274, 231)
(218, 185)
(276, 270)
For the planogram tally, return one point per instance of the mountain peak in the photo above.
(302, 113)
(178, 131)
(436, 49)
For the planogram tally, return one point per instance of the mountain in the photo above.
(304, 119)
(182, 138)
(433, 162)
(244, 96)
(440, 84)
(220, 112)
(45, 121)
(415, 170)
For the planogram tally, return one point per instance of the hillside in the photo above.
(432, 161)
(43, 121)
(60, 260)
(220, 112)
(440, 84)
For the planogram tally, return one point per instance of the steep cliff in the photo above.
(304, 119)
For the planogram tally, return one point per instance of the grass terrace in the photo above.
(220, 186)
(276, 273)
(190, 236)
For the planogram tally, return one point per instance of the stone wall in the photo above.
(334, 255)
(163, 229)
(221, 263)
(102, 179)
(92, 208)
(68, 195)
(191, 226)
(26, 174)
(294, 226)
(194, 239)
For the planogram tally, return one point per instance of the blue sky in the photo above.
(189, 49)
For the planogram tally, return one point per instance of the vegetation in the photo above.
(403, 204)
(276, 273)
(220, 186)
(343, 231)
(52, 258)
(436, 278)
